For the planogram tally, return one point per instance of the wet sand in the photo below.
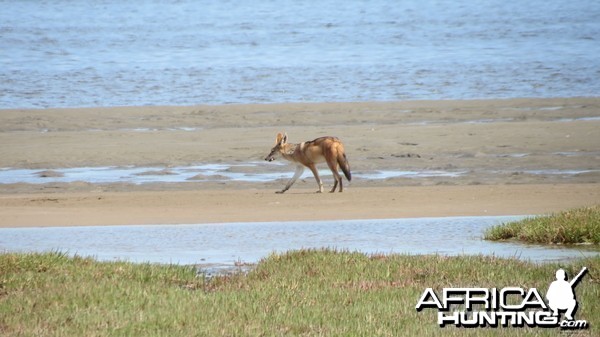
(521, 156)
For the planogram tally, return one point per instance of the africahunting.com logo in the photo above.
(510, 306)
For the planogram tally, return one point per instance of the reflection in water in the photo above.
(223, 245)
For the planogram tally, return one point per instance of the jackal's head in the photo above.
(280, 141)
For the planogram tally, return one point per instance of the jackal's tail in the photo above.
(343, 162)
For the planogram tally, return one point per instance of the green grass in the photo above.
(301, 293)
(577, 226)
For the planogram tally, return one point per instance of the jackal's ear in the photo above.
(279, 138)
(284, 138)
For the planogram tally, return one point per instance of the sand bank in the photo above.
(253, 205)
(521, 156)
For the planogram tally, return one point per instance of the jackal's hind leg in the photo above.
(337, 180)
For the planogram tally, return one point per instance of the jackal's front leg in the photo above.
(315, 172)
(297, 174)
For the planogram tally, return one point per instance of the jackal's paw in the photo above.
(280, 192)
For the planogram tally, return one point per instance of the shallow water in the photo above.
(249, 172)
(196, 173)
(224, 245)
(181, 52)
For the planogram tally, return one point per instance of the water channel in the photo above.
(226, 245)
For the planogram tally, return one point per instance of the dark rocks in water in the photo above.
(50, 174)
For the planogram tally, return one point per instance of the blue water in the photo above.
(60, 53)
(223, 245)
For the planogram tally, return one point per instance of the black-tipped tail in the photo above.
(345, 166)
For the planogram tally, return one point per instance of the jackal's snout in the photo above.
(270, 156)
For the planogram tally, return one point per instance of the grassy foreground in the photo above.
(581, 225)
(302, 293)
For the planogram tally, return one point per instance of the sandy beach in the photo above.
(487, 157)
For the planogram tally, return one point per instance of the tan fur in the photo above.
(308, 154)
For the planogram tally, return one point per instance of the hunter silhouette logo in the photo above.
(561, 294)
(509, 306)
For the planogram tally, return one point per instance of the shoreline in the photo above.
(516, 157)
(263, 205)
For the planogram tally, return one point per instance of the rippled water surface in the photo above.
(179, 52)
(224, 245)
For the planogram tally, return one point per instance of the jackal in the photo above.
(307, 154)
